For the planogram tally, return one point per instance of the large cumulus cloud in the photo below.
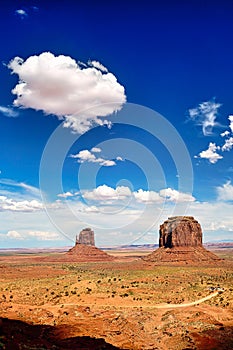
(80, 94)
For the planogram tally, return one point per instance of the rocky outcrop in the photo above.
(180, 241)
(86, 236)
(180, 231)
(85, 250)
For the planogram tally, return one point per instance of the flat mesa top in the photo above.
(179, 218)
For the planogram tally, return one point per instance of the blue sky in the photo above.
(115, 116)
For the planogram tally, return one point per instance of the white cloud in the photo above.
(91, 209)
(19, 190)
(176, 196)
(14, 235)
(228, 144)
(106, 162)
(205, 115)
(8, 112)
(26, 235)
(87, 156)
(231, 122)
(65, 195)
(22, 13)
(23, 206)
(96, 150)
(211, 153)
(117, 209)
(218, 225)
(58, 85)
(225, 133)
(98, 65)
(147, 196)
(43, 235)
(225, 192)
(215, 217)
(83, 156)
(105, 192)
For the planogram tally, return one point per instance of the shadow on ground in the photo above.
(214, 339)
(17, 335)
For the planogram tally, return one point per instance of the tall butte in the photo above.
(85, 249)
(180, 240)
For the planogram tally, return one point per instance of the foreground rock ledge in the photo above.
(180, 240)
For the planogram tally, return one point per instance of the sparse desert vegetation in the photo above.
(116, 304)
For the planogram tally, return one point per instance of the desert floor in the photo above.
(122, 304)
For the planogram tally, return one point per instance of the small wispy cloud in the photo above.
(11, 235)
(14, 235)
(105, 192)
(89, 156)
(225, 133)
(43, 235)
(176, 196)
(98, 65)
(210, 153)
(8, 112)
(21, 13)
(26, 235)
(14, 187)
(96, 150)
(228, 144)
(225, 192)
(205, 115)
(66, 195)
(231, 122)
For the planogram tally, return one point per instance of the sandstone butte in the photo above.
(85, 249)
(180, 241)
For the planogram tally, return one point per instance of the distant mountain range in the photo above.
(209, 245)
(132, 246)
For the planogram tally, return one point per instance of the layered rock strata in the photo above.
(180, 231)
(85, 250)
(86, 237)
(180, 240)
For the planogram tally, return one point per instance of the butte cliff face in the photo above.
(180, 231)
(86, 236)
(180, 240)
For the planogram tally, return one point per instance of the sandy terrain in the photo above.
(121, 304)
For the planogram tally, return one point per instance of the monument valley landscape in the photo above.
(116, 175)
(50, 301)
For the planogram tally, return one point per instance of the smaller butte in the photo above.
(85, 249)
